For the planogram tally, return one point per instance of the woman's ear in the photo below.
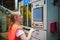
(15, 18)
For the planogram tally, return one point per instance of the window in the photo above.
(26, 12)
(25, 16)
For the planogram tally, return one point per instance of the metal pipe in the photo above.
(16, 4)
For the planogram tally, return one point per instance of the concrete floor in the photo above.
(4, 36)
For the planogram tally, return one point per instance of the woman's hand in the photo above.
(30, 33)
(32, 30)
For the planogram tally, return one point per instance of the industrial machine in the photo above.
(39, 17)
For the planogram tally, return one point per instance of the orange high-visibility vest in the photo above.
(12, 32)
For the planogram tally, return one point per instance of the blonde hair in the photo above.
(14, 14)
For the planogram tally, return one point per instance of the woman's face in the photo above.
(20, 19)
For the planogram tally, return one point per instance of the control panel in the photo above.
(39, 21)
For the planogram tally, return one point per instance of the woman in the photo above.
(16, 32)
